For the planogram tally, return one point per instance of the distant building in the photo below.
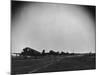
(30, 52)
(15, 54)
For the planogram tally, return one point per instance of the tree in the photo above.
(43, 52)
(63, 53)
(51, 52)
(57, 53)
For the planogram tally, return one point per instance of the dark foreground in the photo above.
(53, 64)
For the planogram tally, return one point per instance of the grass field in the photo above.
(52, 64)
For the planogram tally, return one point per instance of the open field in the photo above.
(53, 64)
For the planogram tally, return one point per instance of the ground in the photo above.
(52, 64)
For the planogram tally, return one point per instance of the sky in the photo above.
(52, 26)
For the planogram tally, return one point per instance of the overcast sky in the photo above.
(60, 27)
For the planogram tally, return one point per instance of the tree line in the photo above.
(31, 52)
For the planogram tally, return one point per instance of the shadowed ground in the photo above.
(53, 64)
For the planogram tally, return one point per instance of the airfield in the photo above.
(20, 65)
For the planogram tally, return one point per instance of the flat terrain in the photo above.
(52, 64)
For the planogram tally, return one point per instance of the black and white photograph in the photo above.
(52, 37)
